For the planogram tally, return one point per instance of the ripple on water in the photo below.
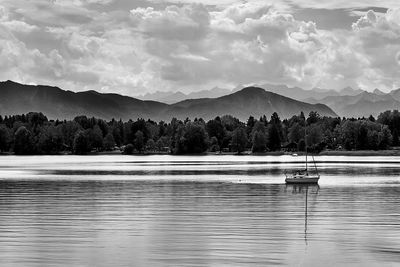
(196, 214)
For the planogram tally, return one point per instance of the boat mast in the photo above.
(315, 165)
(305, 139)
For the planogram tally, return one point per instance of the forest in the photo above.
(35, 134)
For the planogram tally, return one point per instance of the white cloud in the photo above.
(80, 2)
(3, 14)
(241, 44)
(398, 58)
(378, 39)
(194, 46)
(173, 23)
(19, 26)
(343, 4)
(367, 20)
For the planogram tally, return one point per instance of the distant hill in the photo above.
(308, 95)
(363, 104)
(299, 93)
(17, 98)
(396, 94)
(212, 93)
(296, 93)
(248, 101)
(378, 92)
(350, 91)
(165, 97)
(174, 97)
(54, 102)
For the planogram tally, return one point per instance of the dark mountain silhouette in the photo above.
(296, 93)
(308, 95)
(54, 102)
(17, 98)
(363, 104)
(249, 101)
(299, 93)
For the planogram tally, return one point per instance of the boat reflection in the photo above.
(304, 189)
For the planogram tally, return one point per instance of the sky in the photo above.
(142, 46)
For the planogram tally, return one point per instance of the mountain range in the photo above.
(292, 92)
(395, 94)
(253, 101)
(347, 102)
(54, 102)
(315, 93)
(174, 97)
(363, 104)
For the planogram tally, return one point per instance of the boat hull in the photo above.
(302, 180)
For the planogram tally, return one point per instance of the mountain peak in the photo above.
(350, 91)
(378, 92)
(252, 90)
(10, 82)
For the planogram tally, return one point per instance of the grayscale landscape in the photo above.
(199, 133)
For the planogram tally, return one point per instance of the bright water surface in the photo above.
(197, 211)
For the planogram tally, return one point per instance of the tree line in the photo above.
(34, 133)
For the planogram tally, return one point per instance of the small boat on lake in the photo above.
(303, 176)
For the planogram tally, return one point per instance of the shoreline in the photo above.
(393, 152)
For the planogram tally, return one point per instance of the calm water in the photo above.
(197, 211)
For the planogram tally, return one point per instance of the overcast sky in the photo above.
(133, 47)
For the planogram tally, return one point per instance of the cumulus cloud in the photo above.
(172, 23)
(91, 44)
(365, 21)
(254, 43)
(240, 44)
(19, 26)
(378, 39)
(80, 2)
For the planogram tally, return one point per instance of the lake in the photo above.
(117, 210)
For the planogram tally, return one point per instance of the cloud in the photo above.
(287, 5)
(378, 39)
(174, 23)
(19, 26)
(398, 57)
(240, 44)
(129, 48)
(365, 21)
(343, 4)
(254, 43)
(80, 2)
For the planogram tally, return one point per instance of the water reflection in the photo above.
(218, 219)
(304, 190)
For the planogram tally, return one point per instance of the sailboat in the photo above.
(303, 176)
